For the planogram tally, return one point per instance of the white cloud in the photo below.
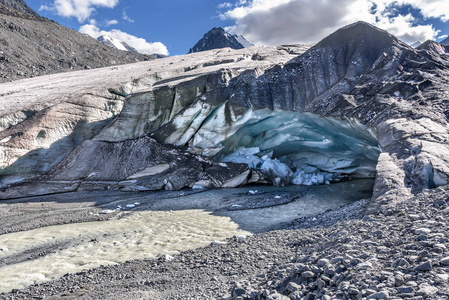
(442, 37)
(80, 9)
(140, 44)
(403, 28)
(225, 5)
(111, 22)
(126, 17)
(301, 21)
(431, 8)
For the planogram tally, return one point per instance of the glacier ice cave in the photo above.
(289, 147)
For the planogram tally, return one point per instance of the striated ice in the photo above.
(304, 149)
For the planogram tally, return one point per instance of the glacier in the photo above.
(289, 147)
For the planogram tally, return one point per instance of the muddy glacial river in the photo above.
(146, 225)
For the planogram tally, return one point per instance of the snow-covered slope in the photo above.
(244, 42)
(445, 42)
(115, 43)
(416, 44)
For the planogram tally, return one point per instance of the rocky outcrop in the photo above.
(218, 38)
(363, 81)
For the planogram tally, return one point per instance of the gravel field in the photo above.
(400, 253)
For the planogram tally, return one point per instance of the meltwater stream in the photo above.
(163, 223)
(140, 235)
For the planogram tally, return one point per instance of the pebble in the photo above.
(427, 266)
(445, 261)
(424, 231)
(344, 285)
(426, 290)
(307, 274)
(322, 262)
(365, 265)
(379, 295)
(293, 287)
(405, 290)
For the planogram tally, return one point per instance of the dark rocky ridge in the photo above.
(217, 38)
(34, 46)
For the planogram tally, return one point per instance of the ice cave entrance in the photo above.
(302, 148)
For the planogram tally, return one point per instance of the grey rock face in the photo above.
(15, 7)
(218, 38)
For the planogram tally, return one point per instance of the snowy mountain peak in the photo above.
(445, 42)
(218, 38)
(115, 43)
(416, 44)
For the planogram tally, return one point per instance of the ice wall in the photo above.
(292, 148)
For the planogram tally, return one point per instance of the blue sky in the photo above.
(173, 26)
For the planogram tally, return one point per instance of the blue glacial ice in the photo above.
(289, 147)
(302, 148)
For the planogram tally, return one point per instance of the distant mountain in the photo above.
(218, 38)
(445, 41)
(115, 43)
(434, 47)
(416, 44)
(16, 7)
(31, 46)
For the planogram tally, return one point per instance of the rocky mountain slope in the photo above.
(215, 104)
(34, 46)
(218, 38)
(17, 7)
